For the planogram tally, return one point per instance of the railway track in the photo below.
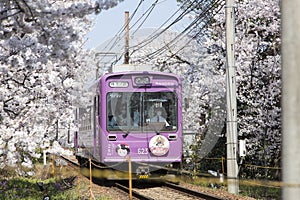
(71, 161)
(165, 191)
(191, 192)
(157, 191)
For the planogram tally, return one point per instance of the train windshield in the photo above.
(142, 111)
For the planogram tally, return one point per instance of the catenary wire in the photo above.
(155, 35)
(149, 11)
(195, 35)
(187, 29)
(152, 37)
(193, 24)
(117, 36)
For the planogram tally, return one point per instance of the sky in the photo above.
(109, 22)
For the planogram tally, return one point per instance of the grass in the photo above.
(62, 185)
(252, 188)
(25, 188)
(260, 189)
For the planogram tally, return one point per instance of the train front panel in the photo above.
(141, 118)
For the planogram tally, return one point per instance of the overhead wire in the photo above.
(124, 26)
(117, 36)
(149, 11)
(188, 29)
(198, 32)
(155, 35)
(174, 39)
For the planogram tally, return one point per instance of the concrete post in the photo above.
(291, 98)
(231, 128)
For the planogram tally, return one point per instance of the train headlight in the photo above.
(142, 80)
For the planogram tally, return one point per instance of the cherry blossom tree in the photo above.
(258, 74)
(42, 61)
(259, 82)
(202, 66)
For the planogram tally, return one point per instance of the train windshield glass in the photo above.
(142, 111)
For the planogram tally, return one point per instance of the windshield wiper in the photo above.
(126, 133)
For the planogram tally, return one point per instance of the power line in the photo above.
(209, 8)
(188, 29)
(156, 35)
(117, 36)
(153, 36)
(149, 12)
(197, 33)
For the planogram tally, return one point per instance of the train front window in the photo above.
(142, 111)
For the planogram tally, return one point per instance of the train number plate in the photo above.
(143, 151)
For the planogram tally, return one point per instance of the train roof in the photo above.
(126, 67)
(138, 69)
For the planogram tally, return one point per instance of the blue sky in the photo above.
(109, 22)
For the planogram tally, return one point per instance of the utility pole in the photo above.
(231, 107)
(126, 61)
(290, 99)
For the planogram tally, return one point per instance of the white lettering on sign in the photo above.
(164, 83)
(143, 151)
(110, 148)
(118, 84)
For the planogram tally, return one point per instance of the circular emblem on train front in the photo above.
(123, 149)
(159, 145)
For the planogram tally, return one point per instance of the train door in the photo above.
(95, 127)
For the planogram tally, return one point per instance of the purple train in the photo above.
(136, 115)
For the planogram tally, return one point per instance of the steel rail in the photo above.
(192, 192)
(134, 193)
(70, 161)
